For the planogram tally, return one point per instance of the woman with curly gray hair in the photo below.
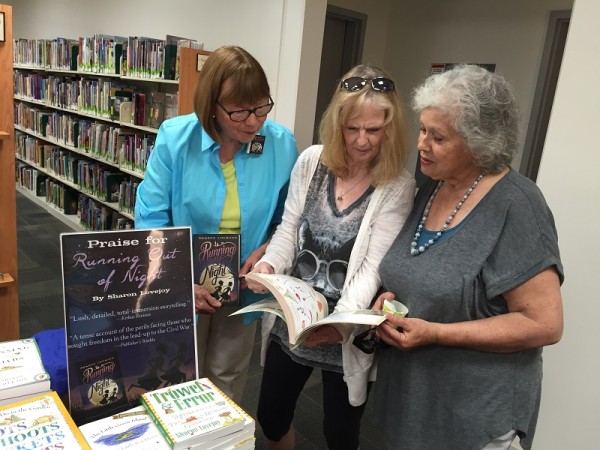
(478, 266)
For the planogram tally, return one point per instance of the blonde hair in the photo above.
(345, 105)
(248, 80)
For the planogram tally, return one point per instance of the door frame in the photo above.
(556, 35)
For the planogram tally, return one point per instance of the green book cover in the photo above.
(192, 413)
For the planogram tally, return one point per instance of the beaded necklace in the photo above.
(417, 250)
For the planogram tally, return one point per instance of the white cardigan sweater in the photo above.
(384, 217)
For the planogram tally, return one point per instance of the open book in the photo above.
(302, 308)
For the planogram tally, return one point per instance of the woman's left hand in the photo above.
(409, 334)
(323, 335)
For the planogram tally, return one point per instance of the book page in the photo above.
(369, 317)
(301, 304)
(270, 305)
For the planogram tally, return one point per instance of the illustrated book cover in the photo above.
(217, 266)
(302, 308)
(21, 370)
(129, 314)
(40, 422)
(194, 413)
(130, 429)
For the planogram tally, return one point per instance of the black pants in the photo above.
(283, 381)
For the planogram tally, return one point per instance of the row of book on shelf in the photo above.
(104, 98)
(193, 414)
(114, 145)
(133, 56)
(92, 215)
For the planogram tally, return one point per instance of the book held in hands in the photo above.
(22, 372)
(304, 309)
(217, 266)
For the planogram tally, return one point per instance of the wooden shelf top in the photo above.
(6, 280)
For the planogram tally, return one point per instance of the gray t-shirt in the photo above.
(439, 397)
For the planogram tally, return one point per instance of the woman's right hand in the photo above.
(204, 302)
(256, 287)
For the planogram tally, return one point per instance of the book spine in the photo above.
(156, 419)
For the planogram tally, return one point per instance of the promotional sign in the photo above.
(129, 314)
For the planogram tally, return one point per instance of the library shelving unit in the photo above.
(83, 137)
(9, 299)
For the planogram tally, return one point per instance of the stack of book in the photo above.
(22, 373)
(131, 429)
(196, 414)
(41, 421)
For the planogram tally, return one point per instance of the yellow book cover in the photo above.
(40, 422)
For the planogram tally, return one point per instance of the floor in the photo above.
(41, 308)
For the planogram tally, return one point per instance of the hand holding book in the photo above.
(204, 302)
(256, 286)
(302, 308)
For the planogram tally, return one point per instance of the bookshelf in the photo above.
(9, 300)
(80, 151)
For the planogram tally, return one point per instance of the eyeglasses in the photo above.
(240, 115)
(378, 84)
(367, 342)
(308, 265)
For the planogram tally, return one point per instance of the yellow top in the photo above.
(231, 221)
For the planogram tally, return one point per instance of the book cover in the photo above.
(40, 422)
(21, 370)
(171, 103)
(217, 266)
(193, 413)
(157, 109)
(118, 95)
(100, 385)
(129, 303)
(304, 309)
(111, 186)
(130, 429)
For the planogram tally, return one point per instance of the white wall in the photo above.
(568, 176)
(274, 31)
(508, 33)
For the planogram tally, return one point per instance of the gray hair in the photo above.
(482, 108)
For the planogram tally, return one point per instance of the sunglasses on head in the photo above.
(378, 84)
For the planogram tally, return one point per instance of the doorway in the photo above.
(556, 37)
(343, 40)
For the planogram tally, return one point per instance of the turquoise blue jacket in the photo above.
(184, 183)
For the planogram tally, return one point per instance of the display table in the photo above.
(54, 357)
